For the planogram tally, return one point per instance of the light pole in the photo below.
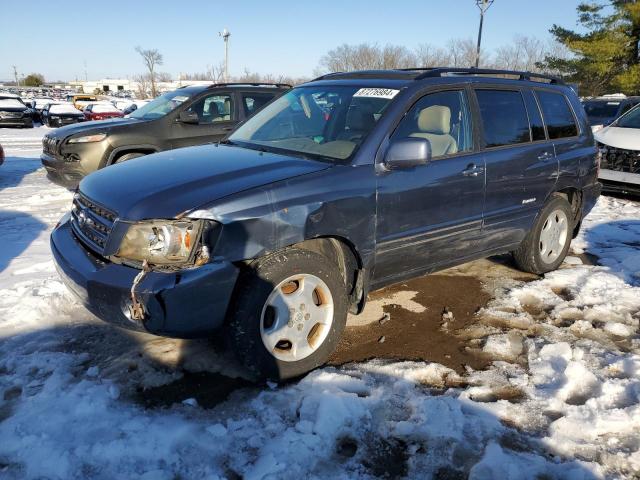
(483, 5)
(225, 34)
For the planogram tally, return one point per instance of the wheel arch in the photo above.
(573, 195)
(146, 149)
(346, 257)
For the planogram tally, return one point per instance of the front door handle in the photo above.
(472, 171)
(227, 129)
(545, 156)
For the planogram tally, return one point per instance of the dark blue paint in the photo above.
(399, 223)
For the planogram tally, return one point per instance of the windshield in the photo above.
(601, 109)
(11, 103)
(323, 121)
(631, 119)
(160, 106)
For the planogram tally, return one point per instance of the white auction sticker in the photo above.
(376, 92)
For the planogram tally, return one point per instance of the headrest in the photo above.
(359, 120)
(227, 106)
(435, 119)
(213, 109)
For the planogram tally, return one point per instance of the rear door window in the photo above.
(557, 115)
(504, 117)
(252, 102)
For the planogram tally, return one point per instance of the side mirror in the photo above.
(191, 118)
(407, 153)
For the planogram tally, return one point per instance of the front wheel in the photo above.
(546, 245)
(288, 314)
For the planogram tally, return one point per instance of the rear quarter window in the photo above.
(504, 117)
(557, 115)
(252, 102)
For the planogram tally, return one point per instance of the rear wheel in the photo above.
(288, 314)
(129, 156)
(546, 245)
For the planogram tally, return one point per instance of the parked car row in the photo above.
(332, 189)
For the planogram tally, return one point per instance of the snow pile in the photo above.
(561, 399)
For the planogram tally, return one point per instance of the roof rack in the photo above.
(252, 84)
(441, 71)
(388, 74)
(420, 73)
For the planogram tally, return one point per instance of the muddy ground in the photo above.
(420, 319)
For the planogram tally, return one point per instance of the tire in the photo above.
(539, 252)
(128, 156)
(254, 321)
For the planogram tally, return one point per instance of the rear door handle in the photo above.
(472, 171)
(545, 156)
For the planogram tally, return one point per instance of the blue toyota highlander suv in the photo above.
(341, 186)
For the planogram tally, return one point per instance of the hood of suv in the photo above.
(624, 138)
(166, 184)
(86, 127)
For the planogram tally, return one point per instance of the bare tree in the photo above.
(366, 56)
(151, 58)
(462, 53)
(143, 85)
(428, 56)
(523, 53)
(163, 77)
(216, 72)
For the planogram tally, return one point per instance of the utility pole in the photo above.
(86, 77)
(15, 76)
(225, 34)
(483, 5)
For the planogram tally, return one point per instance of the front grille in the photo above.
(50, 145)
(91, 223)
(619, 159)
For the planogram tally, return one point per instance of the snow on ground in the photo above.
(562, 399)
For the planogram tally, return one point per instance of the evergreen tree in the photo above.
(606, 57)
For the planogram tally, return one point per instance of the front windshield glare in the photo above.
(324, 121)
(631, 119)
(160, 106)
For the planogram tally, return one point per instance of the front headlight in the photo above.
(98, 137)
(161, 242)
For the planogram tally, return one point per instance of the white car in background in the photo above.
(619, 150)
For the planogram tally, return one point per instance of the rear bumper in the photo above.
(190, 303)
(590, 195)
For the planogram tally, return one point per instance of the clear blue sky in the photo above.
(289, 37)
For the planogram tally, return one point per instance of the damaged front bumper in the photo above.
(185, 304)
(619, 169)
